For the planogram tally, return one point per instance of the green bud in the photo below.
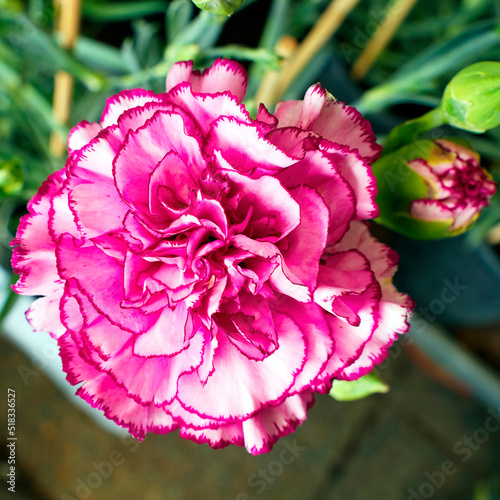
(471, 101)
(431, 189)
(220, 7)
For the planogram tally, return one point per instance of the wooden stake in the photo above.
(494, 235)
(68, 27)
(321, 32)
(395, 16)
(285, 48)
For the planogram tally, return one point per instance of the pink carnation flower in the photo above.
(208, 272)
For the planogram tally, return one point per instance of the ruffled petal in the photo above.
(44, 314)
(392, 321)
(314, 101)
(223, 75)
(125, 100)
(239, 387)
(274, 211)
(180, 72)
(103, 393)
(84, 263)
(245, 148)
(318, 172)
(344, 125)
(206, 108)
(143, 150)
(306, 243)
(81, 135)
(33, 256)
(259, 433)
(336, 122)
(168, 336)
(94, 162)
(359, 175)
(319, 340)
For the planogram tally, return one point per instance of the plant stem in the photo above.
(276, 25)
(413, 129)
(324, 28)
(68, 25)
(395, 16)
(270, 80)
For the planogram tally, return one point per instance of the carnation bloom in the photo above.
(432, 189)
(208, 272)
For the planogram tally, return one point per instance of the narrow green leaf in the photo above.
(203, 30)
(111, 11)
(263, 56)
(179, 13)
(100, 55)
(441, 58)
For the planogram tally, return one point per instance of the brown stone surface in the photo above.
(377, 448)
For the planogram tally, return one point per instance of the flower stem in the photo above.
(413, 129)
(324, 28)
(396, 14)
(68, 26)
(266, 93)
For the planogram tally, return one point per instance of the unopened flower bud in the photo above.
(431, 189)
(471, 101)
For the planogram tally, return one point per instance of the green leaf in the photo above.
(111, 11)
(203, 30)
(439, 59)
(146, 43)
(34, 44)
(269, 59)
(100, 55)
(343, 390)
(179, 13)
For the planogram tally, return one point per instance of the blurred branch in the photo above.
(321, 32)
(68, 26)
(285, 47)
(395, 16)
